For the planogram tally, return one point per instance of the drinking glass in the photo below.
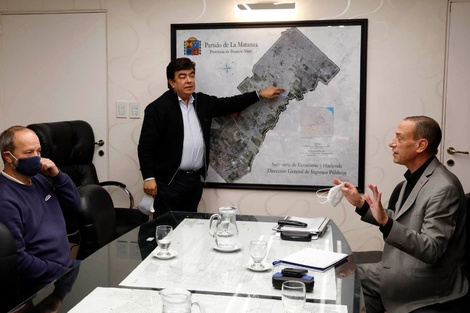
(258, 251)
(163, 235)
(177, 300)
(293, 296)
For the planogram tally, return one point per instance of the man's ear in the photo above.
(422, 145)
(172, 83)
(7, 157)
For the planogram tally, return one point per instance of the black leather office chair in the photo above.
(466, 267)
(71, 145)
(98, 222)
(9, 279)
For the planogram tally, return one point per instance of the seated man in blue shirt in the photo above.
(32, 191)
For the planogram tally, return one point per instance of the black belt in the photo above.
(188, 172)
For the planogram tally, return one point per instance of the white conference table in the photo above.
(199, 266)
(128, 267)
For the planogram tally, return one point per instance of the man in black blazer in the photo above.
(424, 233)
(174, 142)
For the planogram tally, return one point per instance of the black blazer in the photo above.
(161, 139)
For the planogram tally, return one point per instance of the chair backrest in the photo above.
(71, 145)
(9, 278)
(98, 222)
(466, 266)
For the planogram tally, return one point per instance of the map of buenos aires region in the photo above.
(293, 62)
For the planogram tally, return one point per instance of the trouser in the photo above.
(370, 283)
(456, 306)
(182, 194)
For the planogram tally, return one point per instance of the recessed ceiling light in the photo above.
(267, 6)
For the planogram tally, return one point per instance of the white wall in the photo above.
(406, 50)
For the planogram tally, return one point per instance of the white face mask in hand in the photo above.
(146, 205)
(334, 196)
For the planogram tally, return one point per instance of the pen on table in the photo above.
(292, 223)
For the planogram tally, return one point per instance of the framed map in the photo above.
(311, 134)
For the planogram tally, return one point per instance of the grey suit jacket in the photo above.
(423, 254)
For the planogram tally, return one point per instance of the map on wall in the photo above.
(312, 132)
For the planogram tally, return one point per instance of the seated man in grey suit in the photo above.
(424, 234)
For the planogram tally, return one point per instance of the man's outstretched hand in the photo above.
(270, 92)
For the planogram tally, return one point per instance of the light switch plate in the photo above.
(134, 109)
(121, 109)
(122, 250)
(135, 251)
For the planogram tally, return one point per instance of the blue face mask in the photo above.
(28, 166)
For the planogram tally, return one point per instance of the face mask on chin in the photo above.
(27, 166)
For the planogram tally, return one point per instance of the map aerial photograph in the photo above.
(304, 138)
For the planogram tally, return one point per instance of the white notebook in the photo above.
(315, 225)
(314, 259)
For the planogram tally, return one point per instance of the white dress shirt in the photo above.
(193, 142)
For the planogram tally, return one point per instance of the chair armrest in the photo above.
(123, 187)
(112, 183)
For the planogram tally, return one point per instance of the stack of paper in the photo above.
(314, 259)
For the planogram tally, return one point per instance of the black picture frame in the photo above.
(302, 140)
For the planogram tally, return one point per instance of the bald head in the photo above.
(18, 136)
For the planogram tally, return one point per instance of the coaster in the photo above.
(266, 267)
(237, 247)
(172, 254)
